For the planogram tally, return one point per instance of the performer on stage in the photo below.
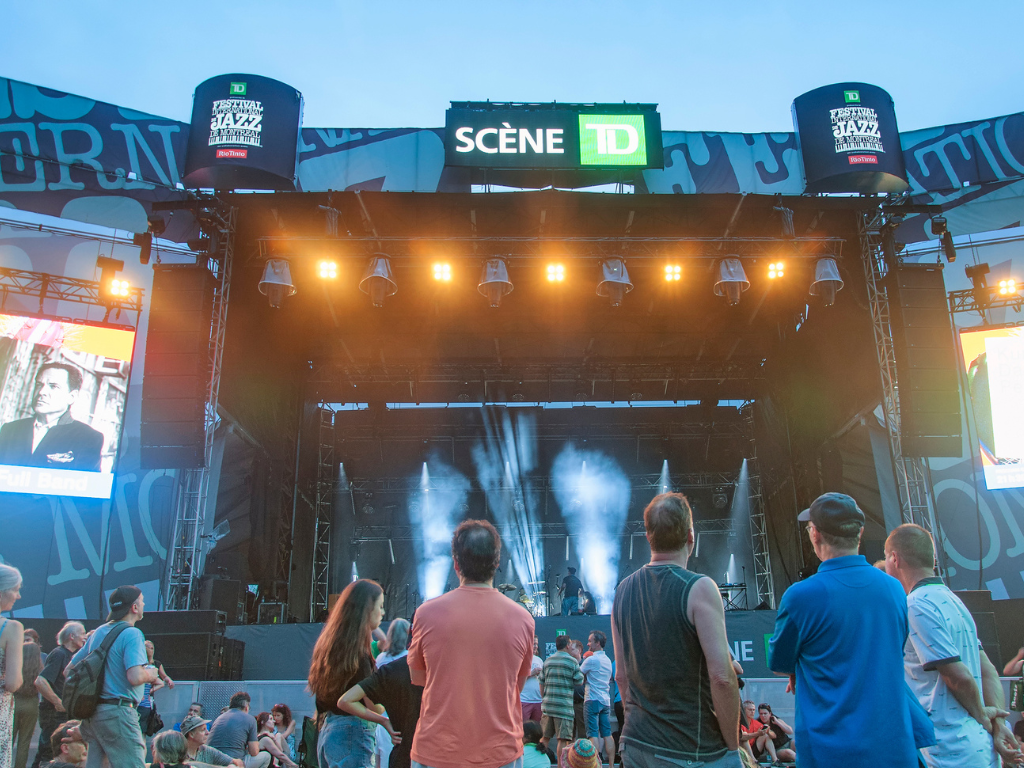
(570, 593)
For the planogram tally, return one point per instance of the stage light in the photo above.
(119, 287)
(328, 270)
(494, 282)
(378, 280)
(732, 280)
(673, 273)
(276, 283)
(940, 228)
(827, 281)
(443, 272)
(977, 275)
(108, 276)
(556, 273)
(1007, 287)
(614, 280)
(776, 269)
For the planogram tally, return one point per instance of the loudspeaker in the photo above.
(179, 622)
(177, 371)
(223, 595)
(233, 659)
(982, 608)
(926, 366)
(191, 656)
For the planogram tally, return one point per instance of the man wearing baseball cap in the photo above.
(193, 728)
(113, 733)
(839, 635)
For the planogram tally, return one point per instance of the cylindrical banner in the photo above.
(244, 134)
(849, 140)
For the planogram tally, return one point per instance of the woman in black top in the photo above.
(341, 659)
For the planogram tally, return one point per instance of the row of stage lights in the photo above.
(379, 282)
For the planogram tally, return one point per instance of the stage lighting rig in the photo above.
(327, 269)
(940, 228)
(494, 282)
(673, 273)
(732, 280)
(443, 272)
(111, 284)
(556, 273)
(378, 280)
(827, 282)
(1007, 287)
(276, 283)
(776, 269)
(978, 277)
(614, 282)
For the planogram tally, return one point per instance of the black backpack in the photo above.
(83, 683)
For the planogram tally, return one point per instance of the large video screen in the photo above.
(994, 359)
(63, 387)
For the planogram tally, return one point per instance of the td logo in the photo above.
(238, 89)
(852, 97)
(612, 140)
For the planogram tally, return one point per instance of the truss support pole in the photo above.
(188, 544)
(911, 480)
(326, 477)
(764, 581)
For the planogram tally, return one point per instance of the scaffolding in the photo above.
(189, 539)
(764, 581)
(325, 483)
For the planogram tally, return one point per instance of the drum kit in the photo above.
(535, 602)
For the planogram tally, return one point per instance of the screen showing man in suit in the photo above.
(62, 401)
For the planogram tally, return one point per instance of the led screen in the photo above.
(994, 359)
(63, 387)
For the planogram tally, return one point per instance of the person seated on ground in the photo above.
(284, 723)
(234, 733)
(750, 726)
(774, 738)
(534, 754)
(193, 728)
(69, 748)
(267, 738)
(580, 754)
(169, 750)
(195, 709)
(1013, 667)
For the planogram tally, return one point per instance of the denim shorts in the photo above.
(598, 724)
(345, 742)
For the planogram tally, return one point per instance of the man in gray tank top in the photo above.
(672, 662)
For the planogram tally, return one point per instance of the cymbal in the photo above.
(534, 583)
(540, 593)
(507, 587)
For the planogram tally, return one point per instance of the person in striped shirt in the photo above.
(559, 677)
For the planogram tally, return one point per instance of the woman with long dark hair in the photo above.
(341, 659)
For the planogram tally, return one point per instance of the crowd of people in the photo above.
(884, 662)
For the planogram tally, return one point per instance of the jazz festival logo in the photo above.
(236, 122)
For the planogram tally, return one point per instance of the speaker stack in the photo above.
(192, 646)
(177, 372)
(926, 365)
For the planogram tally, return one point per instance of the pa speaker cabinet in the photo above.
(927, 370)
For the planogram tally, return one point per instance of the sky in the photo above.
(714, 66)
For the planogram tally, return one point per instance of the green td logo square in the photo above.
(238, 89)
(612, 140)
(852, 97)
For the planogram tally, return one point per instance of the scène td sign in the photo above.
(486, 135)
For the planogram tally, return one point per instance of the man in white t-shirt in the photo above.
(597, 700)
(945, 665)
(530, 696)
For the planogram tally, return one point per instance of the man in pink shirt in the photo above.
(471, 715)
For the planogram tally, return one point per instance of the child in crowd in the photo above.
(534, 754)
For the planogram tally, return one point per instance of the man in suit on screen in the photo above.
(52, 438)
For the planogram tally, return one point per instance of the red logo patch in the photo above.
(858, 159)
(240, 154)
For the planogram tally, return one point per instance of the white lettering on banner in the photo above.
(56, 482)
(856, 129)
(554, 136)
(525, 137)
(507, 139)
(465, 138)
(545, 141)
(236, 122)
(743, 650)
(480, 140)
(607, 143)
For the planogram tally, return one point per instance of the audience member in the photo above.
(750, 727)
(26, 700)
(169, 750)
(342, 657)
(266, 735)
(579, 695)
(774, 736)
(193, 728)
(1014, 666)
(534, 754)
(597, 670)
(530, 696)
(12, 638)
(285, 725)
(580, 754)
(945, 665)
(672, 661)
(67, 746)
(558, 680)
(379, 643)
(113, 732)
(839, 635)
(50, 684)
(471, 715)
(234, 733)
(397, 642)
(620, 715)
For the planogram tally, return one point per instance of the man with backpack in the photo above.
(112, 730)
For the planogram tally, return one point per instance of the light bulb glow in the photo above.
(119, 287)
(1007, 287)
(443, 272)
(328, 270)
(776, 269)
(673, 272)
(556, 273)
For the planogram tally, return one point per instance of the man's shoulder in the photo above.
(80, 429)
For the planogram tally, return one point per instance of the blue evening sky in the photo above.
(717, 66)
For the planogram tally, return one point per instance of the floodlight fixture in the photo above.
(977, 274)
(673, 273)
(443, 272)
(827, 281)
(378, 280)
(776, 269)
(614, 280)
(327, 269)
(119, 288)
(732, 280)
(494, 282)
(556, 273)
(941, 228)
(276, 283)
(108, 276)
(1007, 287)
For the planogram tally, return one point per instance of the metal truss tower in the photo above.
(911, 480)
(764, 581)
(188, 543)
(326, 479)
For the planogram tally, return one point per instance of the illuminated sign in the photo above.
(541, 136)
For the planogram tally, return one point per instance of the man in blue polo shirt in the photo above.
(839, 635)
